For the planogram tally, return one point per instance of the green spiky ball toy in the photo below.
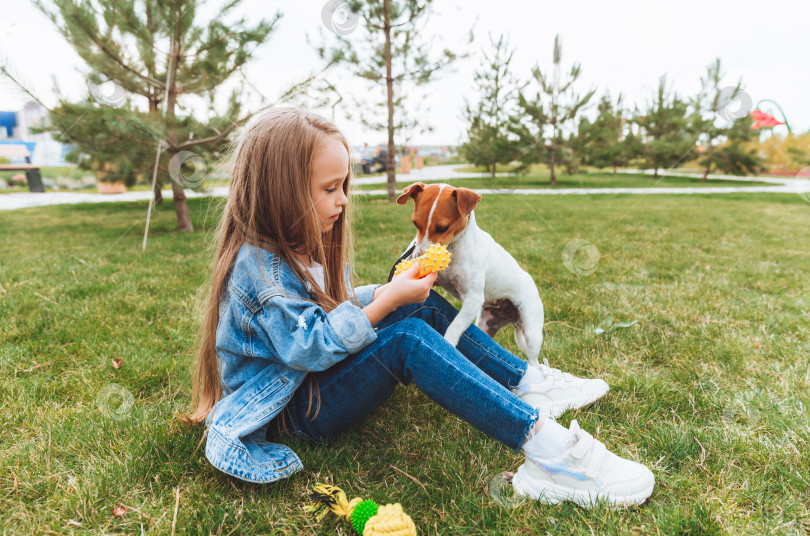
(362, 513)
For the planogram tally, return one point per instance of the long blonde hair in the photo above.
(269, 205)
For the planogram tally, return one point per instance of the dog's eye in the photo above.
(441, 229)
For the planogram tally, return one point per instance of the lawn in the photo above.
(709, 388)
(539, 178)
(581, 180)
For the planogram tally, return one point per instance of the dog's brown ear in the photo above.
(466, 200)
(412, 190)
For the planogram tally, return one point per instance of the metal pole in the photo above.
(152, 199)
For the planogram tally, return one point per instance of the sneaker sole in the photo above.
(549, 493)
(555, 409)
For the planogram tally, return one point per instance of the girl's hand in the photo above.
(404, 289)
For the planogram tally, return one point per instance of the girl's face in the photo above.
(329, 170)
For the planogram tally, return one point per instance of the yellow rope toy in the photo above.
(366, 516)
(435, 259)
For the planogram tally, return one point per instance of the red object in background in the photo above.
(763, 120)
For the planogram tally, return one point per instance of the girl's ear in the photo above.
(412, 190)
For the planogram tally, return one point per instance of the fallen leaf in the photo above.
(119, 510)
(610, 326)
(116, 363)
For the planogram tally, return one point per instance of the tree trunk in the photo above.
(389, 84)
(494, 163)
(551, 163)
(180, 204)
(655, 176)
(181, 209)
(614, 169)
(553, 158)
(706, 173)
(158, 194)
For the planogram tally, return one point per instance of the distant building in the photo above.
(15, 129)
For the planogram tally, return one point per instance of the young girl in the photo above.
(290, 346)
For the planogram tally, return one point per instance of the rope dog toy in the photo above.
(435, 259)
(366, 516)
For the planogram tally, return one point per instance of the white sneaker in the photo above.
(585, 473)
(560, 391)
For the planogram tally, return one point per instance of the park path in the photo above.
(17, 200)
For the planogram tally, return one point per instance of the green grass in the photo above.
(688, 166)
(215, 183)
(582, 180)
(214, 177)
(539, 178)
(51, 172)
(709, 388)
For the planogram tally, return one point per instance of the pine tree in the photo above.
(101, 139)
(666, 129)
(156, 49)
(528, 127)
(606, 142)
(489, 142)
(737, 154)
(393, 57)
(725, 133)
(564, 105)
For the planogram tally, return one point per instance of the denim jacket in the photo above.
(268, 338)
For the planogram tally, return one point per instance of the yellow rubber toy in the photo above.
(435, 259)
(367, 517)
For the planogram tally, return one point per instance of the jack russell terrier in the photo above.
(494, 289)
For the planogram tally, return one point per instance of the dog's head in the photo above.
(440, 212)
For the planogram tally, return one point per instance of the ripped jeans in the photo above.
(472, 380)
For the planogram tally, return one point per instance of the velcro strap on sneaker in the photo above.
(583, 444)
(597, 457)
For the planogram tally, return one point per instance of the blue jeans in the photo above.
(472, 380)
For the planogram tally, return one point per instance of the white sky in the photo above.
(622, 46)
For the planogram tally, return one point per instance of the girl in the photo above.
(288, 345)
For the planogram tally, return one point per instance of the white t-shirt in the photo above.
(317, 272)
